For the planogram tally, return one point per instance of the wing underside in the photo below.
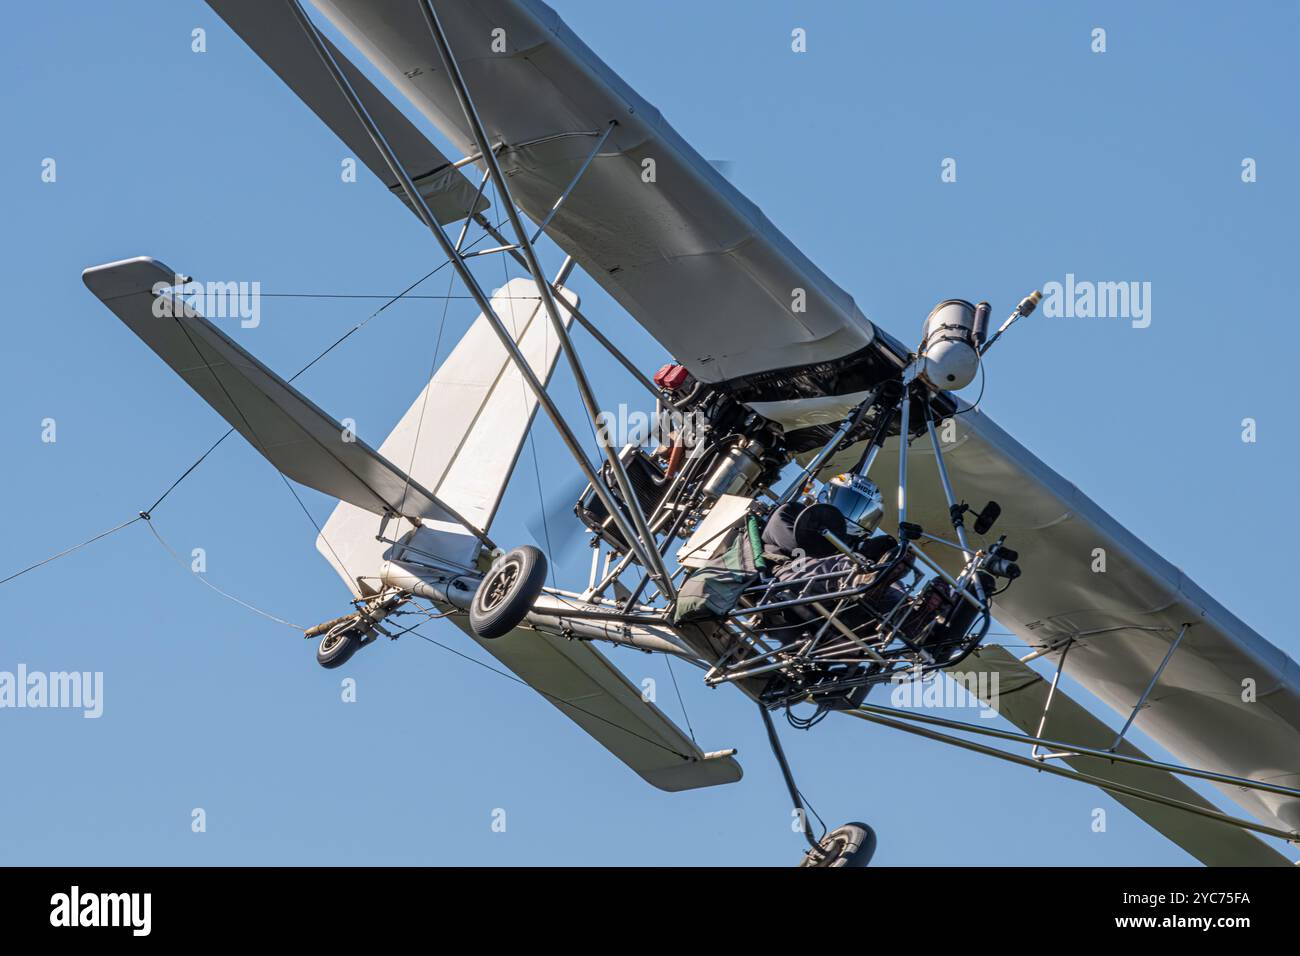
(1022, 698)
(272, 32)
(654, 223)
(1228, 700)
(586, 687)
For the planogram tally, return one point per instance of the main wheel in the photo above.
(852, 845)
(507, 594)
(338, 645)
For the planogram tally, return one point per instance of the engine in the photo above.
(705, 445)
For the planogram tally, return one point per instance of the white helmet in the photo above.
(858, 499)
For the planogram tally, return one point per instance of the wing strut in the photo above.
(636, 542)
(1159, 777)
(655, 563)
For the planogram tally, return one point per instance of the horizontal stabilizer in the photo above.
(594, 694)
(281, 423)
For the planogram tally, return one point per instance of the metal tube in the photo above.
(562, 274)
(537, 141)
(1047, 705)
(904, 425)
(488, 252)
(574, 181)
(1149, 688)
(758, 670)
(639, 536)
(795, 602)
(610, 575)
(948, 495)
(464, 229)
(1107, 785)
(484, 303)
(800, 581)
(595, 567)
(946, 543)
(865, 469)
(580, 318)
(1090, 752)
(779, 753)
(846, 632)
(810, 470)
(551, 614)
(1077, 635)
(953, 582)
(596, 614)
(1044, 651)
(844, 549)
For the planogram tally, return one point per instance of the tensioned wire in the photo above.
(147, 513)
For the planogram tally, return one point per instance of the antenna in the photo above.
(1026, 306)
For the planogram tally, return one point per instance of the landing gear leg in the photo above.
(851, 845)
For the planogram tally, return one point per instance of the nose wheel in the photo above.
(852, 845)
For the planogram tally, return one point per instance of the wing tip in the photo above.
(128, 276)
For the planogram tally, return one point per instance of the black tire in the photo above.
(852, 845)
(337, 646)
(507, 594)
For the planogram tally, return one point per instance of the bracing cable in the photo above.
(75, 547)
(145, 515)
(203, 578)
(568, 705)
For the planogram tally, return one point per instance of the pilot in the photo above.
(859, 505)
(850, 507)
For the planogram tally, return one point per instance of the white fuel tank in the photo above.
(949, 356)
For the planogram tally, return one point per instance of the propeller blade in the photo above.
(554, 526)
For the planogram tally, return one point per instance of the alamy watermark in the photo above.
(133, 911)
(629, 426)
(1083, 299)
(65, 690)
(968, 690)
(213, 300)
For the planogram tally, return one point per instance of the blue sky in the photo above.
(1124, 165)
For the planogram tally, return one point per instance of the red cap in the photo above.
(671, 377)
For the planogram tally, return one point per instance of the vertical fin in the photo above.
(461, 436)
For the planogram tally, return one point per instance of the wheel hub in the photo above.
(502, 582)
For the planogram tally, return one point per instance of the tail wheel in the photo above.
(507, 594)
(338, 645)
(852, 845)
